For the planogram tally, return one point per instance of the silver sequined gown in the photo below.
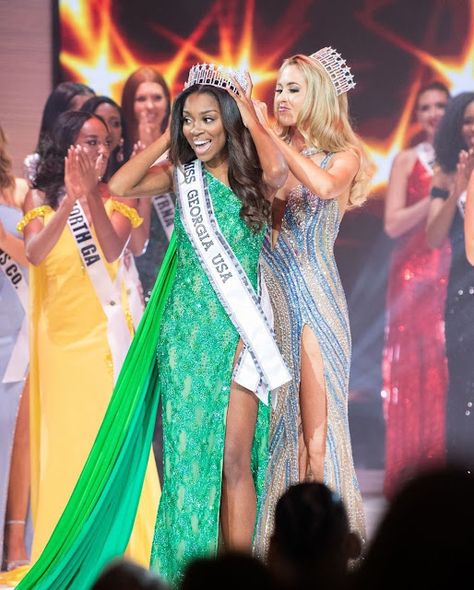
(305, 289)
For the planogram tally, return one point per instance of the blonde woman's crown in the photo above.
(336, 67)
(219, 76)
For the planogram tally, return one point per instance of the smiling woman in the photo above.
(74, 235)
(204, 344)
(454, 142)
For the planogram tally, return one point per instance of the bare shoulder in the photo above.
(405, 159)
(21, 190)
(348, 159)
(33, 198)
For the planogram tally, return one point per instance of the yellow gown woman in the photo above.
(71, 380)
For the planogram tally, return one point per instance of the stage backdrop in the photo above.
(393, 47)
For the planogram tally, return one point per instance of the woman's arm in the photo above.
(469, 221)
(13, 246)
(81, 180)
(274, 166)
(140, 236)
(9, 243)
(441, 211)
(138, 176)
(327, 184)
(400, 218)
(41, 239)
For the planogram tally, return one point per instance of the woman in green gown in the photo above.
(204, 344)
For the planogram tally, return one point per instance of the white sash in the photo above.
(426, 155)
(261, 366)
(18, 363)
(133, 287)
(462, 203)
(164, 207)
(108, 291)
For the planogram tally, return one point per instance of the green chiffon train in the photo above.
(97, 522)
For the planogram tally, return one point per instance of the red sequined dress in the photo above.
(414, 363)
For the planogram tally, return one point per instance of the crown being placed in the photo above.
(219, 76)
(336, 67)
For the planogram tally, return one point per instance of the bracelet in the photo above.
(15, 522)
(439, 193)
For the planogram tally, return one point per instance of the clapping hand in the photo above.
(464, 168)
(81, 174)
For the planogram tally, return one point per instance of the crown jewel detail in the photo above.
(219, 76)
(337, 69)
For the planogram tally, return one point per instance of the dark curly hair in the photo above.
(50, 174)
(90, 106)
(245, 172)
(59, 101)
(448, 141)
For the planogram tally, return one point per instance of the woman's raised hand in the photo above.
(243, 98)
(261, 110)
(464, 168)
(81, 174)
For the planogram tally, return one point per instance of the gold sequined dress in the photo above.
(305, 290)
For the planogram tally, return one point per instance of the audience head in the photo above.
(232, 571)
(122, 574)
(146, 98)
(455, 131)
(112, 113)
(67, 96)
(311, 537)
(72, 128)
(426, 536)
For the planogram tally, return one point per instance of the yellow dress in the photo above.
(71, 382)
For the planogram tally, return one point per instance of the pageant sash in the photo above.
(462, 203)
(18, 363)
(261, 366)
(426, 155)
(133, 287)
(108, 291)
(164, 208)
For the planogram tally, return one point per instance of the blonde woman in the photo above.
(14, 451)
(329, 173)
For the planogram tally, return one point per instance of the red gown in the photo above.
(414, 372)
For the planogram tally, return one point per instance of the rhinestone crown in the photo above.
(219, 76)
(336, 67)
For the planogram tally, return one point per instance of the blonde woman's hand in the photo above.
(261, 110)
(243, 98)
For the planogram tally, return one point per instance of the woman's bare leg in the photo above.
(19, 485)
(313, 407)
(239, 503)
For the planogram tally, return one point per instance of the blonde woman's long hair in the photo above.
(7, 180)
(324, 123)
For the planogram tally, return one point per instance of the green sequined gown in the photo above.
(183, 349)
(195, 360)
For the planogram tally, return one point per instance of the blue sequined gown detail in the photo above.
(305, 290)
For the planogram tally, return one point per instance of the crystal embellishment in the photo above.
(219, 76)
(339, 72)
